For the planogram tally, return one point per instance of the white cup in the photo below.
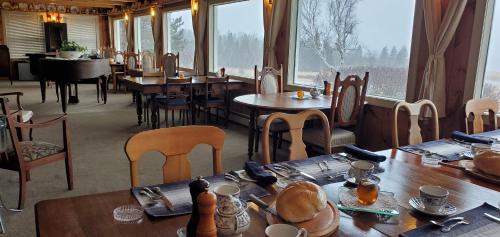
(361, 169)
(285, 230)
(433, 197)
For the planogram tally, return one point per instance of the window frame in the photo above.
(116, 40)
(166, 29)
(382, 101)
(137, 33)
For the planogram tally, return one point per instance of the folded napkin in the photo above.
(363, 154)
(468, 138)
(255, 171)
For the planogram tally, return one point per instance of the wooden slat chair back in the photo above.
(348, 100)
(176, 98)
(269, 80)
(131, 60)
(474, 110)
(170, 64)
(216, 93)
(295, 123)
(175, 144)
(414, 110)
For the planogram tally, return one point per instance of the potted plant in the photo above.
(71, 50)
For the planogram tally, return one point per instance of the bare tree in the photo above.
(341, 23)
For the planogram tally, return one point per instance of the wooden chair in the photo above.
(171, 64)
(131, 61)
(295, 123)
(26, 115)
(269, 81)
(5, 67)
(174, 144)
(348, 100)
(475, 109)
(27, 155)
(177, 95)
(147, 61)
(414, 110)
(107, 52)
(119, 57)
(215, 95)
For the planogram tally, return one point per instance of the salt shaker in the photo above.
(196, 187)
(206, 225)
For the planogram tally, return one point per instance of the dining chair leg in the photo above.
(226, 117)
(22, 189)
(216, 115)
(280, 144)
(28, 175)
(180, 116)
(257, 137)
(275, 144)
(207, 112)
(173, 118)
(2, 227)
(166, 119)
(69, 171)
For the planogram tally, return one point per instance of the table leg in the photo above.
(154, 115)
(104, 88)
(43, 89)
(138, 103)
(251, 133)
(62, 88)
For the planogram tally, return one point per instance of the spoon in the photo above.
(448, 228)
(151, 197)
(459, 218)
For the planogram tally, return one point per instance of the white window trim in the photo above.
(137, 34)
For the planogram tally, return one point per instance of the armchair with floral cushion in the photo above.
(26, 115)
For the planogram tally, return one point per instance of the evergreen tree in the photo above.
(393, 55)
(176, 34)
(384, 56)
(402, 57)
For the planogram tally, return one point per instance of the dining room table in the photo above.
(92, 215)
(282, 102)
(154, 85)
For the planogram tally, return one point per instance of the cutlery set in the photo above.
(156, 195)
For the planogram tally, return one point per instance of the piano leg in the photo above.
(62, 88)
(104, 88)
(73, 99)
(42, 88)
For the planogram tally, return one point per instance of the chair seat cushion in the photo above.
(339, 137)
(276, 125)
(174, 102)
(33, 150)
(26, 115)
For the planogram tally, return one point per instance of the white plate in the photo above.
(352, 180)
(418, 205)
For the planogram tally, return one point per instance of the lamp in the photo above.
(126, 17)
(194, 6)
(153, 12)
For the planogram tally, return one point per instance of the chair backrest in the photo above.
(13, 124)
(175, 144)
(147, 59)
(269, 80)
(171, 87)
(474, 109)
(348, 100)
(170, 64)
(107, 53)
(131, 60)
(4, 61)
(414, 110)
(295, 123)
(119, 57)
(217, 87)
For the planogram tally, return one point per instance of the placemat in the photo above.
(494, 135)
(480, 225)
(446, 149)
(338, 165)
(179, 196)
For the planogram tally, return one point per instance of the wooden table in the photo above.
(92, 215)
(283, 102)
(154, 85)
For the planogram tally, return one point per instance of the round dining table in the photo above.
(283, 102)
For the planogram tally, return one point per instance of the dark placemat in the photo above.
(338, 166)
(494, 135)
(480, 225)
(179, 196)
(447, 150)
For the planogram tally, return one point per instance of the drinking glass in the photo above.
(3, 133)
(367, 191)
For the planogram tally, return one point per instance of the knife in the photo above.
(164, 198)
(263, 205)
(277, 171)
(492, 217)
(298, 171)
(386, 212)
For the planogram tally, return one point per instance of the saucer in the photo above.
(352, 180)
(418, 205)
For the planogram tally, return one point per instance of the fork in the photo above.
(448, 228)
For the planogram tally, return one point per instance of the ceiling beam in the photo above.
(80, 3)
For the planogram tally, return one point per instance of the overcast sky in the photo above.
(493, 61)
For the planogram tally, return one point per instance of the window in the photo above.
(354, 37)
(237, 37)
(491, 83)
(143, 34)
(178, 36)
(83, 30)
(23, 33)
(120, 35)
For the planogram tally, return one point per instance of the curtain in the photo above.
(130, 33)
(440, 31)
(199, 11)
(273, 19)
(104, 32)
(156, 24)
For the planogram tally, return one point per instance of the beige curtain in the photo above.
(273, 19)
(440, 31)
(130, 33)
(104, 32)
(157, 25)
(199, 11)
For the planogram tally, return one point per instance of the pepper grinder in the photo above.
(327, 87)
(206, 225)
(197, 186)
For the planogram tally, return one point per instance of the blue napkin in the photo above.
(363, 154)
(468, 138)
(255, 171)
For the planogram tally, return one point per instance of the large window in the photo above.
(491, 86)
(83, 30)
(120, 35)
(353, 37)
(178, 36)
(237, 39)
(143, 34)
(23, 33)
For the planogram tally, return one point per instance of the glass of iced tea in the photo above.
(367, 191)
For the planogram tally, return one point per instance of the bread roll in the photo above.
(488, 162)
(300, 201)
